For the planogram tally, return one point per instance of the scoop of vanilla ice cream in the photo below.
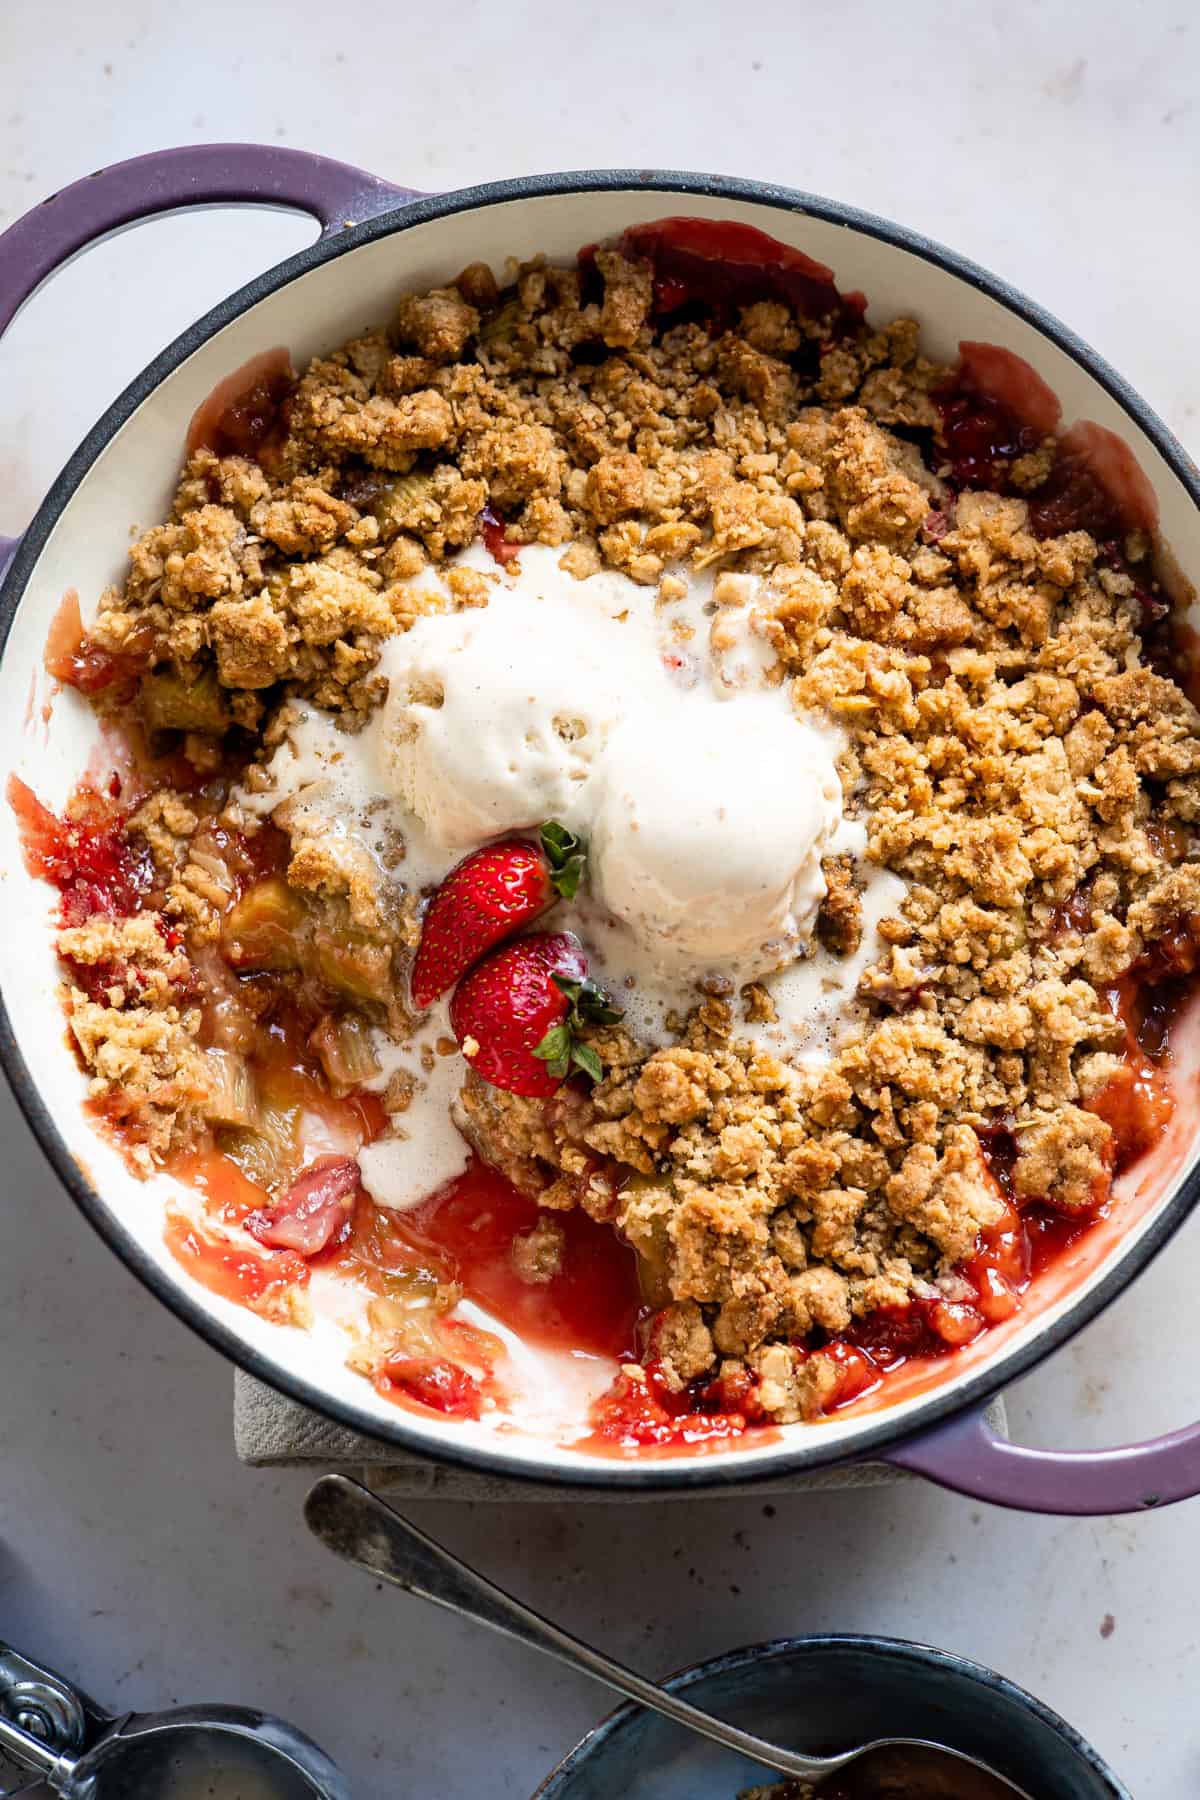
(708, 832)
(496, 716)
(706, 802)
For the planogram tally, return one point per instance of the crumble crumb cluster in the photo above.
(1015, 755)
(791, 1789)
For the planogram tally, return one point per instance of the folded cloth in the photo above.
(271, 1431)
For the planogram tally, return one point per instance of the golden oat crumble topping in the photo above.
(1014, 755)
(791, 1789)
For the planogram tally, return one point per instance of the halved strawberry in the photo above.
(488, 897)
(516, 1016)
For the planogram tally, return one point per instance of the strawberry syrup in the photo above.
(996, 408)
(249, 1277)
(590, 1305)
(716, 266)
(73, 659)
(246, 413)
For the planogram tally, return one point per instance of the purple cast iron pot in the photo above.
(376, 240)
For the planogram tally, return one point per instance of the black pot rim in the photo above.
(805, 1450)
(903, 1650)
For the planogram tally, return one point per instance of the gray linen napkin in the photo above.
(271, 1431)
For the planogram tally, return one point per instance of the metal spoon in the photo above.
(356, 1525)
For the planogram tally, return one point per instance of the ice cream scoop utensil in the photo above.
(62, 1738)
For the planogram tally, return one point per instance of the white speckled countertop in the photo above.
(134, 1552)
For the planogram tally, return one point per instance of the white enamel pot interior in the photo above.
(126, 471)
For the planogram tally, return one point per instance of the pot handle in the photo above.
(166, 180)
(42, 241)
(966, 1454)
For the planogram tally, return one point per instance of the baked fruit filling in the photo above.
(642, 813)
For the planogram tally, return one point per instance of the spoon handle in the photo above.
(356, 1525)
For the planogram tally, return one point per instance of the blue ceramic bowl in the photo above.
(821, 1693)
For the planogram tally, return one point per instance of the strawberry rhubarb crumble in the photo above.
(643, 804)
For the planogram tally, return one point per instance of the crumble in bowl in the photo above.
(851, 693)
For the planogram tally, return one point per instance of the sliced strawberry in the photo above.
(315, 1209)
(434, 1382)
(516, 1016)
(489, 896)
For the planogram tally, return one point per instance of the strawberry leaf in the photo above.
(560, 1049)
(555, 1051)
(590, 1005)
(566, 855)
(585, 1058)
(558, 842)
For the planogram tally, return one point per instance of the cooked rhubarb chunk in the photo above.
(231, 1099)
(265, 929)
(171, 701)
(351, 964)
(343, 1044)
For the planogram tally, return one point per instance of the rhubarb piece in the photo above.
(265, 929)
(342, 1042)
(171, 701)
